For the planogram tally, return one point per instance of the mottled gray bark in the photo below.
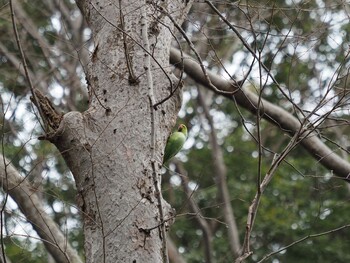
(115, 148)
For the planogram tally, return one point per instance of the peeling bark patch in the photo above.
(146, 190)
(147, 234)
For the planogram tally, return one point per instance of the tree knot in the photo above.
(52, 118)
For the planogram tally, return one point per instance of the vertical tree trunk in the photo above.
(114, 149)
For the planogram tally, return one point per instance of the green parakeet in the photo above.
(175, 142)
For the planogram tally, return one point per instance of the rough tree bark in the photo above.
(114, 149)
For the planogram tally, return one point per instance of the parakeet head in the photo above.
(182, 128)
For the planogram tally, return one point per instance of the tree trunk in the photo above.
(115, 148)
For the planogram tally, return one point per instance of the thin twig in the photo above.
(179, 81)
(249, 48)
(148, 69)
(132, 79)
(178, 27)
(303, 239)
(220, 180)
(202, 221)
(135, 41)
(246, 252)
(6, 185)
(44, 127)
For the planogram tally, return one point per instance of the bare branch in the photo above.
(221, 175)
(25, 64)
(31, 206)
(174, 255)
(303, 239)
(203, 224)
(18, 64)
(272, 113)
